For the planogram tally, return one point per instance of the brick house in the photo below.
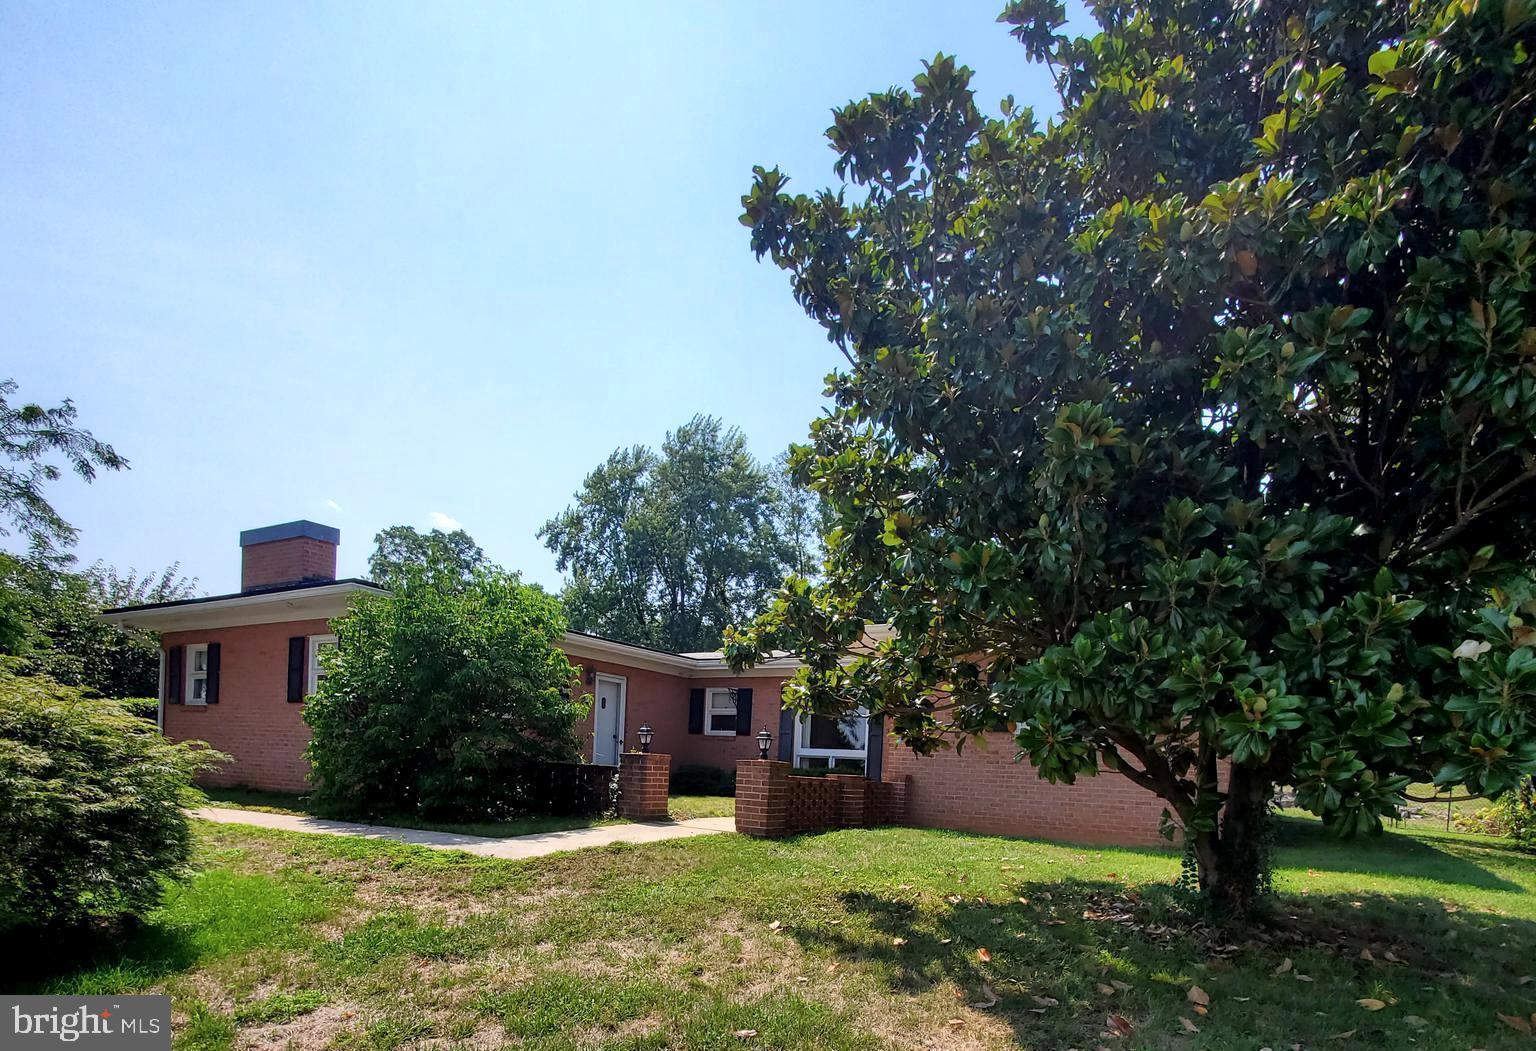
(235, 670)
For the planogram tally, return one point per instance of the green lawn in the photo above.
(849, 939)
(685, 808)
(292, 803)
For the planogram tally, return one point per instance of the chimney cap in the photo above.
(290, 530)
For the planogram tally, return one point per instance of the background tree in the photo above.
(665, 549)
(30, 435)
(440, 696)
(60, 634)
(445, 558)
(1197, 426)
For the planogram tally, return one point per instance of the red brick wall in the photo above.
(762, 798)
(772, 802)
(814, 803)
(984, 790)
(286, 562)
(661, 699)
(253, 721)
(643, 786)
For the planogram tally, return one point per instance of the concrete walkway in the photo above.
(536, 845)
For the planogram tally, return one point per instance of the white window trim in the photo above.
(312, 661)
(192, 675)
(832, 753)
(709, 698)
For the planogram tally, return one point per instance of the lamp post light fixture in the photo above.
(764, 740)
(645, 733)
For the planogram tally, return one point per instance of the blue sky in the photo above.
(411, 263)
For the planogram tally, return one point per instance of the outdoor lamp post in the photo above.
(645, 733)
(764, 739)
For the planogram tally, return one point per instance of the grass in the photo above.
(686, 808)
(301, 806)
(848, 940)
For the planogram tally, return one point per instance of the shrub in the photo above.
(143, 707)
(1512, 814)
(438, 699)
(696, 779)
(91, 805)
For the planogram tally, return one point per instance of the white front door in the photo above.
(608, 721)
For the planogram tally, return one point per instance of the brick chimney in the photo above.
(299, 552)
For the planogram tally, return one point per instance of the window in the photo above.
(197, 674)
(827, 742)
(720, 713)
(318, 644)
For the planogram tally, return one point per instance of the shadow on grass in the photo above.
(1305, 843)
(96, 961)
(1063, 963)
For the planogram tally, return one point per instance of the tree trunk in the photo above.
(1233, 862)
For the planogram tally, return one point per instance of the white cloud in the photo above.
(447, 523)
(333, 505)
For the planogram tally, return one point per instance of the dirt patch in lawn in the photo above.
(308, 1032)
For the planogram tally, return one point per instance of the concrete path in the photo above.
(536, 845)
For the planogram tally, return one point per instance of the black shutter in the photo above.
(175, 677)
(786, 734)
(213, 673)
(695, 711)
(296, 654)
(743, 712)
(874, 758)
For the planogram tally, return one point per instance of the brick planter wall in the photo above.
(814, 803)
(762, 798)
(643, 785)
(772, 802)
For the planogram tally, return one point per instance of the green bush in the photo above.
(1512, 814)
(439, 700)
(91, 805)
(143, 707)
(696, 779)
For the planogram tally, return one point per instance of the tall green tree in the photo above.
(58, 630)
(447, 559)
(667, 548)
(32, 439)
(1193, 431)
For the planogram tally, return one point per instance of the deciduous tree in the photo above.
(447, 559)
(665, 549)
(31, 437)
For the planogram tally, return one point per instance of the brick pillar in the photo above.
(762, 798)
(643, 785)
(853, 806)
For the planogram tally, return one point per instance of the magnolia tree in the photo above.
(1191, 435)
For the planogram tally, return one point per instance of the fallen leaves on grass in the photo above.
(1189, 1027)
(1197, 995)
(988, 1001)
(1370, 1003)
(1119, 1025)
(1518, 1023)
(1285, 965)
(984, 955)
(745, 1034)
